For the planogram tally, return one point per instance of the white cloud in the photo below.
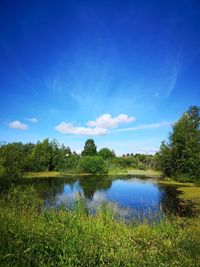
(106, 121)
(102, 125)
(68, 128)
(98, 127)
(18, 125)
(143, 126)
(33, 120)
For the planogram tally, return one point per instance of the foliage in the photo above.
(48, 155)
(92, 164)
(106, 153)
(137, 161)
(69, 164)
(141, 166)
(90, 148)
(16, 158)
(164, 159)
(11, 161)
(34, 237)
(181, 156)
(42, 155)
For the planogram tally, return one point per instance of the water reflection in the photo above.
(128, 197)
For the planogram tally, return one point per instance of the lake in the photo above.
(130, 198)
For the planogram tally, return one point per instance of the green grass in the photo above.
(31, 236)
(43, 174)
(147, 173)
(191, 193)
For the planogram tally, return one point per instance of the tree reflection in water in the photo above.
(98, 189)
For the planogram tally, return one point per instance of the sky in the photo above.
(120, 72)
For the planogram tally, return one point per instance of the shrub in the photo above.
(92, 164)
(141, 166)
(106, 153)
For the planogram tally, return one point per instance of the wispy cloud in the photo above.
(18, 125)
(175, 72)
(143, 126)
(33, 120)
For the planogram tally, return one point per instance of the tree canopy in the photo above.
(180, 157)
(106, 153)
(90, 148)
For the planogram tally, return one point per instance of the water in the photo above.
(128, 197)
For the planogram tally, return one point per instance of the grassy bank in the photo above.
(42, 174)
(34, 237)
(188, 191)
(191, 193)
(148, 173)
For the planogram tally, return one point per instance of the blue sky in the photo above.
(69, 69)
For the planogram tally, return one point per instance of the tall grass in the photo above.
(32, 236)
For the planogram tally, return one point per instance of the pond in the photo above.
(128, 197)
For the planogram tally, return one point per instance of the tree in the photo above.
(185, 143)
(11, 161)
(163, 159)
(90, 148)
(181, 157)
(106, 153)
(42, 155)
(55, 154)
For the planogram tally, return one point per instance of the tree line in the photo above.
(18, 158)
(179, 157)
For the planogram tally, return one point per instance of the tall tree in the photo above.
(90, 148)
(181, 156)
(42, 155)
(185, 143)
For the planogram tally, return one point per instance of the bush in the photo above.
(11, 161)
(141, 166)
(106, 153)
(92, 164)
(70, 164)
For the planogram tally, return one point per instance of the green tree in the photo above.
(11, 161)
(181, 157)
(163, 159)
(42, 155)
(185, 143)
(92, 164)
(55, 154)
(90, 148)
(106, 153)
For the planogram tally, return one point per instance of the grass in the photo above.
(191, 193)
(169, 181)
(148, 173)
(43, 174)
(31, 236)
